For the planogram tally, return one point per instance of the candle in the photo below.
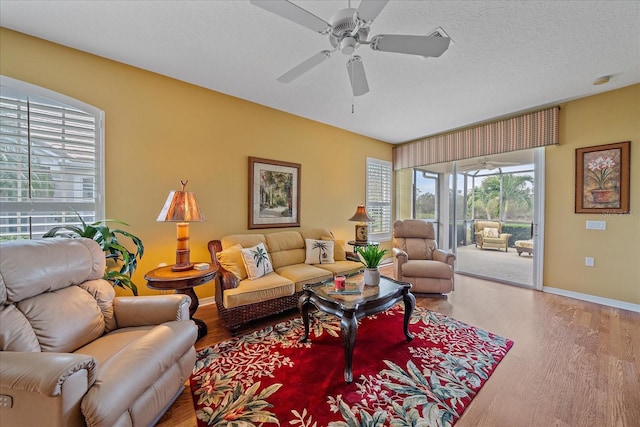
(339, 282)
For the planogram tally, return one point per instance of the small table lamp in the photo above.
(362, 230)
(181, 207)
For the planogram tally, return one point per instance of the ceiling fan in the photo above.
(485, 163)
(347, 30)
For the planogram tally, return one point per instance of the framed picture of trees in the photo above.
(274, 193)
(602, 179)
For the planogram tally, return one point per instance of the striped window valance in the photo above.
(518, 133)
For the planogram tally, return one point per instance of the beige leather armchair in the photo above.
(73, 354)
(489, 235)
(417, 259)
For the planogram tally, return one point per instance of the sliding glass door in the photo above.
(461, 198)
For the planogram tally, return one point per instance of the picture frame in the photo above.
(274, 193)
(602, 179)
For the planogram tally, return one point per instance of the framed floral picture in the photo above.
(274, 193)
(602, 179)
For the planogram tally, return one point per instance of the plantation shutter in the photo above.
(50, 160)
(379, 186)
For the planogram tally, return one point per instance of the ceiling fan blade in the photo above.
(357, 76)
(368, 10)
(412, 45)
(293, 13)
(304, 66)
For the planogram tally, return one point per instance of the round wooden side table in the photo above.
(183, 282)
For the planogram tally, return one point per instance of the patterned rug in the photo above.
(269, 378)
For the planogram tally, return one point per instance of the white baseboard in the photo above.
(591, 298)
(207, 301)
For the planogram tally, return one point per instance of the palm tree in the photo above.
(506, 189)
(516, 192)
(261, 257)
(322, 252)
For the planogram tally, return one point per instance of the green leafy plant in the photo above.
(371, 255)
(121, 263)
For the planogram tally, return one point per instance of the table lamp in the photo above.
(362, 230)
(181, 207)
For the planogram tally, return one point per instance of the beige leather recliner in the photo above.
(73, 354)
(417, 259)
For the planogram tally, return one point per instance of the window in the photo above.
(379, 187)
(51, 160)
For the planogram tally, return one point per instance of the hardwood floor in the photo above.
(574, 363)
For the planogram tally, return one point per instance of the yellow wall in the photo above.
(160, 131)
(600, 119)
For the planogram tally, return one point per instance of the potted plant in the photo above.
(371, 255)
(121, 263)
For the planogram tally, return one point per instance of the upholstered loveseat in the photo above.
(296, 258)
(73, 354)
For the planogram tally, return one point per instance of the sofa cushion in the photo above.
(244, 240)
(303, 274)
(490, 232)
(64, 320)
(267, 287)
(146, 351)
(339, 252)
(285, 248)
(256, 261)
(437, 269)
(319, 251)
(342, 267)
(231, 260)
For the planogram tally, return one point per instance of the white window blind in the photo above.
(50, 160)
(379, 186)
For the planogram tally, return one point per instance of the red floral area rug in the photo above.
(270, 378)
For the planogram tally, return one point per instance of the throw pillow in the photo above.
(231, 260)
(490, 232)
(256, 261)
(319, 251)
(339, 252)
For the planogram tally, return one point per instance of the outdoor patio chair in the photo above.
(489, 235)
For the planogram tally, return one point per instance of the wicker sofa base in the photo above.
(237, 317)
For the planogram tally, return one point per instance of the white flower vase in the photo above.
(371, 276)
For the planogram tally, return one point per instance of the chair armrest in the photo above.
(150, 310)
(442, 256)
(43, 372)
(400, 255)
(505, 235)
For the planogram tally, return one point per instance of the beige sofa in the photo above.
(241, 300)
(73, 354)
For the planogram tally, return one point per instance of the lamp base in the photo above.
(362, 233)
(182, 267)
(182, 260)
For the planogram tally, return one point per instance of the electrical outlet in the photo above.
(589, 261)
(596, 225)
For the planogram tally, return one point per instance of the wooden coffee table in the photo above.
(351, 308)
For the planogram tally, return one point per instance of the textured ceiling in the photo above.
(506, 56)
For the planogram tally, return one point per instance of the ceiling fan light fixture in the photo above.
(348, 45)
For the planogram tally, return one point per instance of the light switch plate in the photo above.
(589, 261)
(596, 225)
